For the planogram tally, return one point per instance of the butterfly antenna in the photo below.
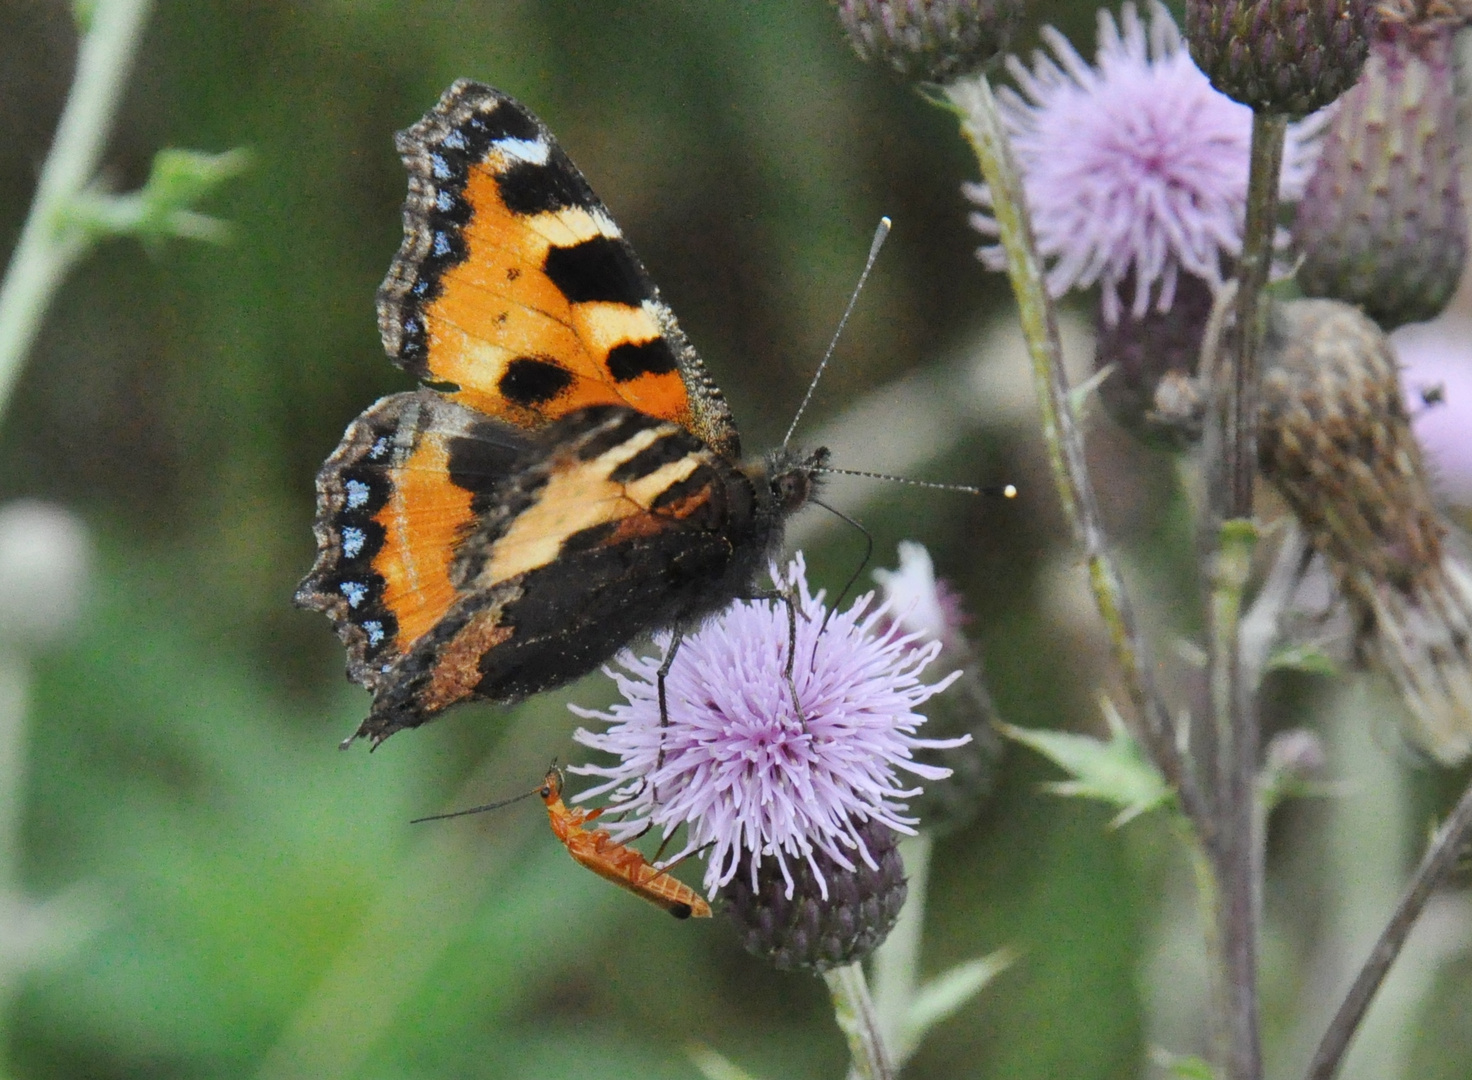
(880, 235)
(868, 554)
(1007, 491)
(480, 809)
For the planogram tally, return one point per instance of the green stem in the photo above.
(14, 684)
(1233, 466)
(1238, 869)
(859, 1022)
(47, 248)
(1240, 407)
(982, 125)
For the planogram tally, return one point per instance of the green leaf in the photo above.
(1305, 658)
(1080, 396)
(944, 995)
(714, 1066)
(1184, 1066)
(1113, 771)
(164, 207)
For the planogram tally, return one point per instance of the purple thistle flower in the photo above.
(1135, 168)
(1436, 359)
(741, 770)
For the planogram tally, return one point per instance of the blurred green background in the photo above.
(228, 895)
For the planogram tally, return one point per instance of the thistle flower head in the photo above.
(1281, 56)
(919, 601)
(799, 929)
(1335, 439)
(1134, 167)
(738, 765)
(1381, 223)
(927, 605)
(933, 40)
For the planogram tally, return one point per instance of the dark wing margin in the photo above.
(394, 501)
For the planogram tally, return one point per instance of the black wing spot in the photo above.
(533, 380)
(530, 188)
(630, 361)
(602, 268)
(509, 120)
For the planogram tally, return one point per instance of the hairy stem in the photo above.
(859, 1022)
(1239, 868)
(47, 248)
(981, 123)
(1232, 467)
(1441, 856)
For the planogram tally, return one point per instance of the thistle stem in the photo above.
(1234, 695)
(47, 248)
(1266, 164)
(859, 1022)
(981, 124)
(1441, 856)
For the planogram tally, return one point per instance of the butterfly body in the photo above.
(570, 477)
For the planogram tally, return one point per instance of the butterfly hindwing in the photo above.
(515, 287)
(610, 524)
(404, 488)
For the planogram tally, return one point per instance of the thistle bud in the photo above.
(929, 40)
(829, 921)
(1150, 389)
(1381, 223)
(1280, 56)
(1335, 439)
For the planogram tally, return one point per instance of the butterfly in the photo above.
(567, 477)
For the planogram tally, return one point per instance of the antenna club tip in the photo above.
(1009, 491)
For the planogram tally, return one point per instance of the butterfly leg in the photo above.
(664, 710)
(785, 595)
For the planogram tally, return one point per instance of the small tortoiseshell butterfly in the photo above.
(568, 478)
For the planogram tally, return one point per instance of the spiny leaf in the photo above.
(1112, 771)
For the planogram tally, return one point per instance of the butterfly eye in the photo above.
(791, 490)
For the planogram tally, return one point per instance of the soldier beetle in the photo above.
(600, 853)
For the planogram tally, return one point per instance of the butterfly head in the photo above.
(791, 477)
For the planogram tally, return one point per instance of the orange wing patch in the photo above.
(424, 519)
(513, 340)
(394, 502)
(514, 285)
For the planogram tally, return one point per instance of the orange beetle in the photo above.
(600, 853)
